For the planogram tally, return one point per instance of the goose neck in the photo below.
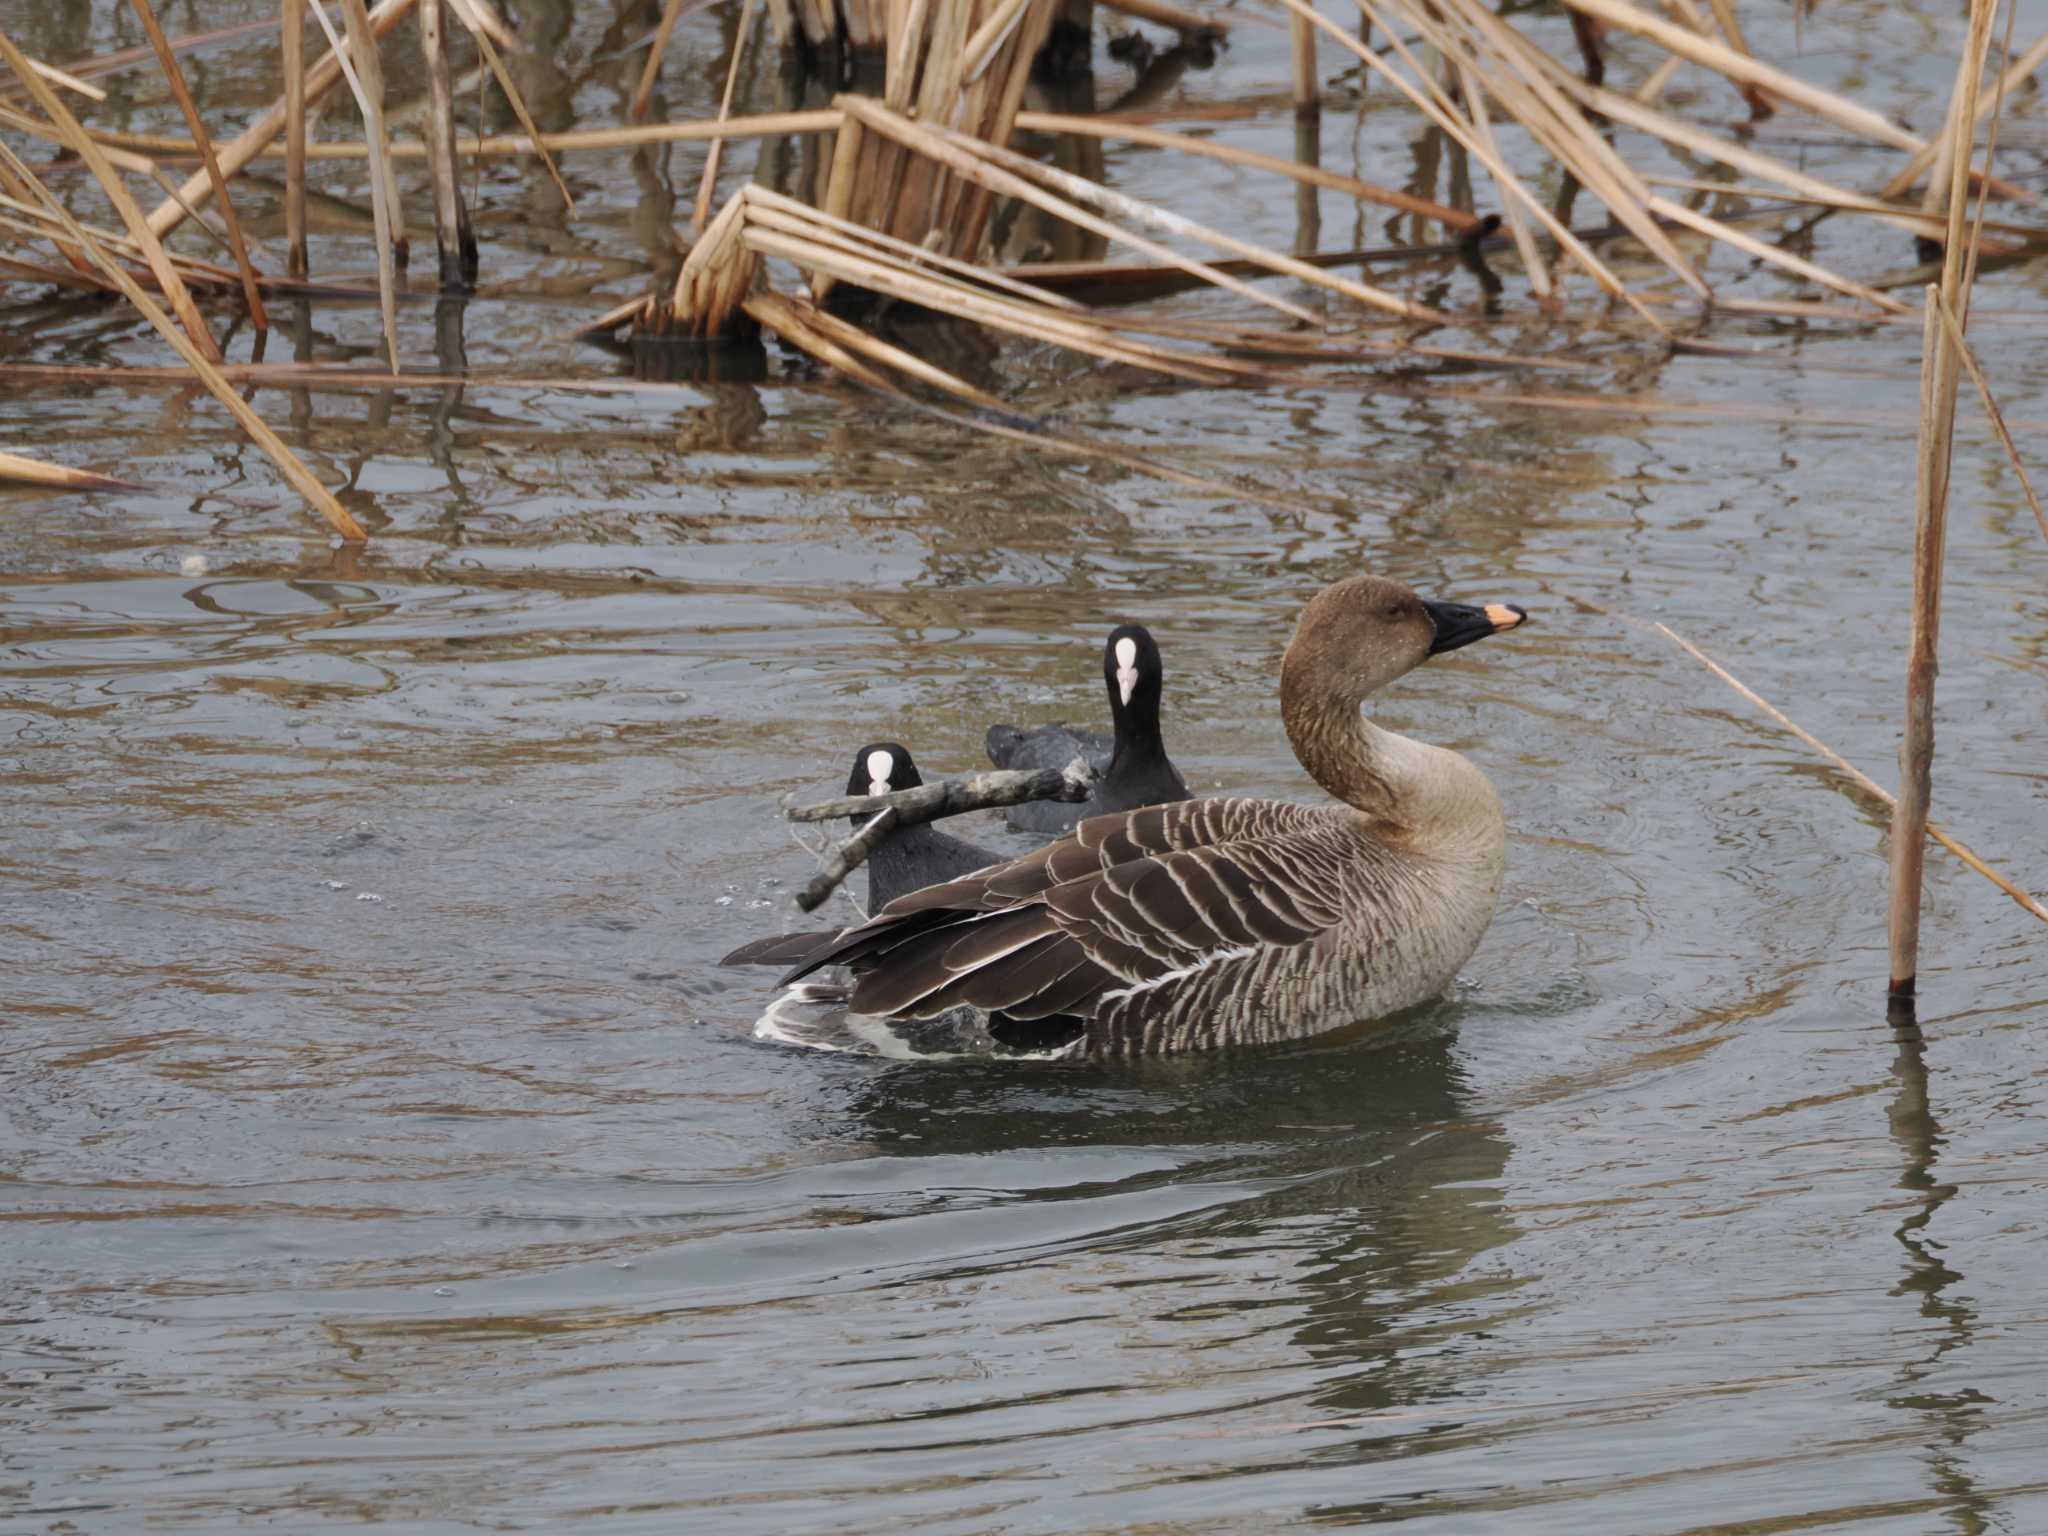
(1343, 751)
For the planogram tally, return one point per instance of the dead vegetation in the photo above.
(908, 178)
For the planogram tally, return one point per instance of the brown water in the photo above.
(380, 1143)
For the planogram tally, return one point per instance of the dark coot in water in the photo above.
(909, 859)
(1135, 769)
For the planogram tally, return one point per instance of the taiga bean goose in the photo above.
(908, 860)
(1134, 767)
(1232, 921)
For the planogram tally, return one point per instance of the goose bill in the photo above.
(1459, 624)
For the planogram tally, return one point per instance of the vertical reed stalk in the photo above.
(295, 136)
(1940, 374)
(359, 62)
(651, 71)
(453, 238)
(732, 75)
(1308, 94)
(254, 139)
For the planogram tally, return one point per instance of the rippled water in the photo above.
(380, 1143)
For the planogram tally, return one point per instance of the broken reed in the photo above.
(1940, 375)
(926, 161)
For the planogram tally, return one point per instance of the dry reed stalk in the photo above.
(612, 319)
(1944, 143)
(454, 241)
(1976, 243)
(1939, 378)
(17, 195)
(365, 75)
(294, 50)
(1912, 218)
(1308, 95)
(1659, 78)
(714, 279)
(121, 59)
(1840, 763)
(1187, 23)
(1461, 131)
(651, 71)
(37, 221)
(1760, 104)
(58, 477)
(219, 236)
(1672, 130)
(732, 75)
(478, 16)
(294, 471)
(63, 277)
(1081, 191)
(944, 289)
(764, 201)
(989, 36)
(2022, 69)
(69, 81)
(1994, 414)
(776, 311)
(1743, 70)
(1033, 323)
(827, 238)
(791, 322)
(1533, 264)
(243, 148)
(81, 144)
(1336, 349)
(989, 113)
(124, 157)
(1455, 219)
(768, 308)
(464, 10)
(1678, 213)
(190, 108)
(760, 126)
(965, 162)
(1525, 90)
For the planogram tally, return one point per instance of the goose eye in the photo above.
(1394, 610)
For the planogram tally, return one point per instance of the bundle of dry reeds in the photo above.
(905, 203)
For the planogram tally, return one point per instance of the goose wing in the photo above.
(1139, 900)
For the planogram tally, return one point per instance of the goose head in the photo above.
(1353, 638)
(1360, 634)
(1132, 672)
(880, 768)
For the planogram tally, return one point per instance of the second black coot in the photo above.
(1135, 769)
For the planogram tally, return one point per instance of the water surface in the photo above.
(381, 1143)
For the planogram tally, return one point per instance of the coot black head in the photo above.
(1133, 673)
(881, 768)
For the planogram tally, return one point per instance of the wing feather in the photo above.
(1126, 912)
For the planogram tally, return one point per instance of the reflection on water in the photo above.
(381, 1142)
